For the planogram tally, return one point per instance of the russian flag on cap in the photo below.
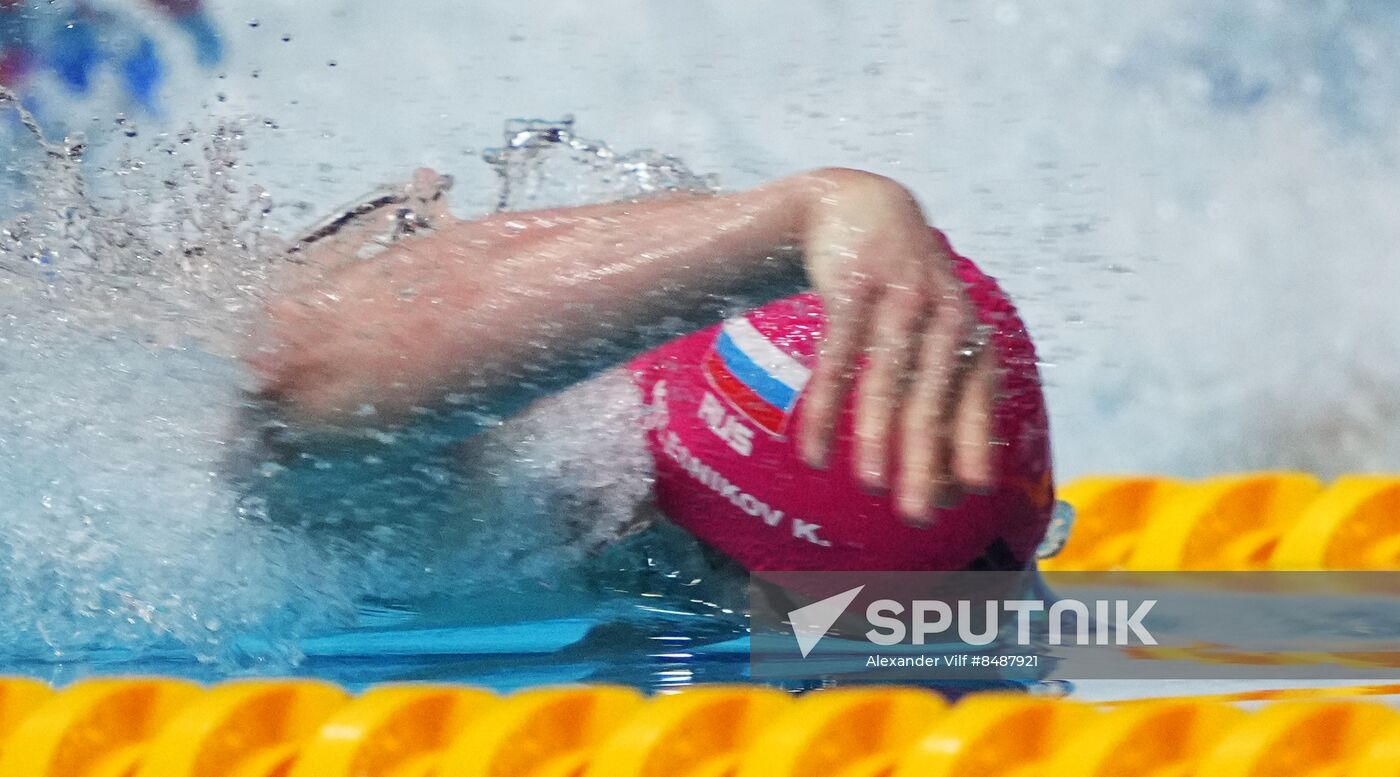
(758, 378)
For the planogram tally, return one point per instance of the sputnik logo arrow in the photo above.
(811, 623)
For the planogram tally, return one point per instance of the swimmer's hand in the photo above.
(893, 299)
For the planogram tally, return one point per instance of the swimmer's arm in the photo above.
(500, 304)
(498, 309)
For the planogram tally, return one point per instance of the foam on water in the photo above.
(123, 527)
(1193, 204)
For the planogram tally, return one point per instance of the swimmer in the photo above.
(890, 418)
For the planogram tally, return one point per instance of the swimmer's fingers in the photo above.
(926, 416)
(972, 422)
(893, 339)
(830, 377)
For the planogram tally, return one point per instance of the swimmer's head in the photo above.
(725, 403)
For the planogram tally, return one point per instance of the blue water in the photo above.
(1194, 206)
(656, 656)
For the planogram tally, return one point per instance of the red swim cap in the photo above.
(726, 400)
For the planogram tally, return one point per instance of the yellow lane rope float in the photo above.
(1284, 521)
(146, 727)
(993, 735)
(243, 728)
(699, 733)
(1148, 738)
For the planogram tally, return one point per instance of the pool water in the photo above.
(1193, 206)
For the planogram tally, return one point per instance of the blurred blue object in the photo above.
(74, 52)
(208, 46)
(142, 72)
(75, 41)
